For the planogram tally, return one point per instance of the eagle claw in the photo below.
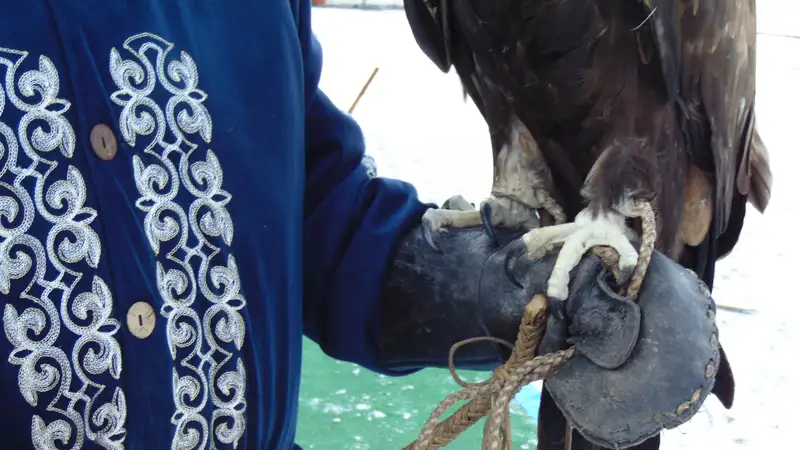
(486, 220)
(427, 235)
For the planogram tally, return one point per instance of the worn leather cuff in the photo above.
(663, 379)
(469, 288)
(641, 367)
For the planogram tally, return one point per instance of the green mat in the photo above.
(343, 406)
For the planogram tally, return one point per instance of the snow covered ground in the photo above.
(419, 129)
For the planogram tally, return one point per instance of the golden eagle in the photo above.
(594, 105)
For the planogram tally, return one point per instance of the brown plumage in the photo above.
(615, 109)
(607, 100)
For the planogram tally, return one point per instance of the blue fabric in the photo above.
(236, 206)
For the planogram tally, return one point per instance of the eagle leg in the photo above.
(591, 227)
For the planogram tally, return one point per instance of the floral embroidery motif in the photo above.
(197, 277)
(55, 309)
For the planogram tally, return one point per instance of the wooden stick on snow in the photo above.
(363, 89)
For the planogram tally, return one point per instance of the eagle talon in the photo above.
(456, 211)
(625, 275)
(486, 220)
(516, 251)
(427, 234)
(557, 308)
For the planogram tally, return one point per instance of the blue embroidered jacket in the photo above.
(179, 203)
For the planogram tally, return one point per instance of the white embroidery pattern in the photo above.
(193, 276)
(32, 197)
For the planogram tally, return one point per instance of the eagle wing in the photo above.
(708, 55)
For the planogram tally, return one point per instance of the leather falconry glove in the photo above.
(641, 367)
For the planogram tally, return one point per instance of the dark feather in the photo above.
(428, 25)
(616, 106)
(708, 55)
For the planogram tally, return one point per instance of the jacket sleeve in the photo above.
(353, 224)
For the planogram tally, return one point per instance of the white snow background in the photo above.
(420, 130)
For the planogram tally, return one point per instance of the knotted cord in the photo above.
(491, 398)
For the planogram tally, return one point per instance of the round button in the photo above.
(141, 320)
(104, 143)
